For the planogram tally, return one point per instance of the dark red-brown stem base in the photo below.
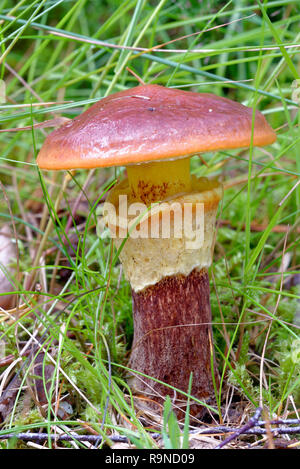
(173, 337)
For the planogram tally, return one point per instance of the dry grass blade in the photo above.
(8, 255)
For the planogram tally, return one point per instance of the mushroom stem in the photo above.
(172, 339)
(170, 292)
(152, 182)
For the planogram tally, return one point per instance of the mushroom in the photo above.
(153, 131)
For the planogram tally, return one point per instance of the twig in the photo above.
(276, 431)
(39, 437)
(250, 428)
(250, 424)
(261, 423)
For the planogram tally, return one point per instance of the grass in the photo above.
(74, 303)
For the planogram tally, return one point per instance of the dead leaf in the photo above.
(35, 201)
(7, 399)
(42, 380)
(281, 443)
(203, 442)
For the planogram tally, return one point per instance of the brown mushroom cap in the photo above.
(152, 122)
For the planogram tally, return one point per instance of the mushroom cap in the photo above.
(152, 122)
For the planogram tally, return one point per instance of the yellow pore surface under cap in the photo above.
(152, 182)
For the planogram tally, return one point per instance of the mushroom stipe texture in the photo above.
(172, 330)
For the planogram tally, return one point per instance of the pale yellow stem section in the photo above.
(152, 182)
